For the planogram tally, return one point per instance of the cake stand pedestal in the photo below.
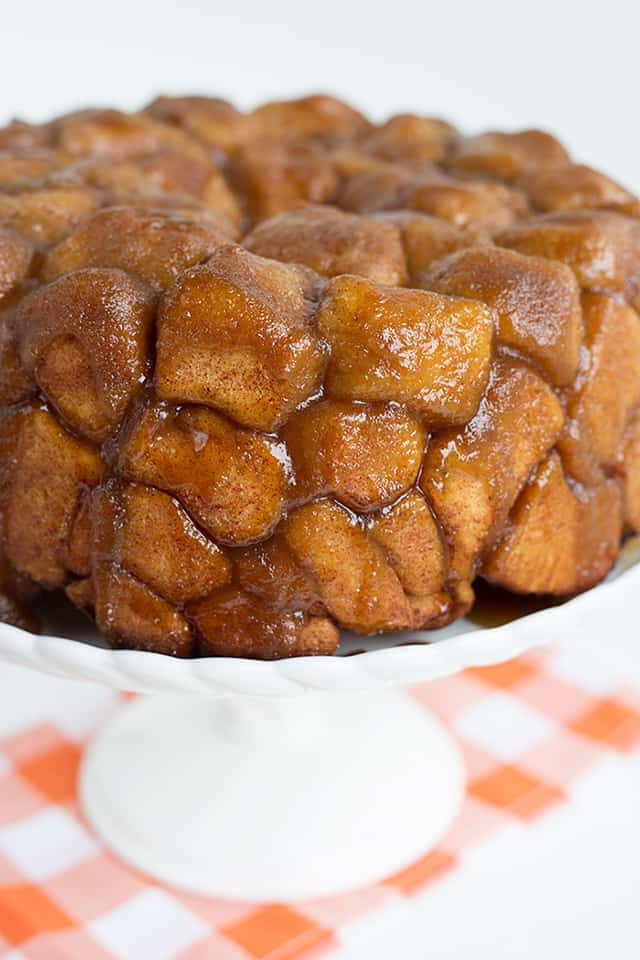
(290, 779)
(272, 799)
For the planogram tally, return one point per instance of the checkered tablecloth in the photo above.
(529, 730)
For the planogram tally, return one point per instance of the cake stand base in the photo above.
(263, 799)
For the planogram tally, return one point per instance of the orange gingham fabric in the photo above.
(529, 729)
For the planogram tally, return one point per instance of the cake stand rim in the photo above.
(416, 661)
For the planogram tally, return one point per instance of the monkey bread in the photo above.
(266, 375)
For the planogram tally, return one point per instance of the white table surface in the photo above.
(567, 887)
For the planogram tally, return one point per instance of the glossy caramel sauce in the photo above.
(494, 607)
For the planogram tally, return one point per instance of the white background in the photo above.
(570, 66)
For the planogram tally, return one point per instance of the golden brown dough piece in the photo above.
(574, 186)
(269, 374)
(332, 242)
(602, 248)
(411, 139)
(428, 351)
(536, 302)
(85, 339)
(472, 477)
(315, 118)
(236, 334)
(46, 214)
(125, 607)
(559, 539)
(47, 471)
(116, 135)
(156, 245)
(356, 582)
(166, 176)
(427, 239)
(364, 454)
(606, 391)
(507, 156)
(161, 545)
(273, 177)
(27, 161)
(465, 203)
(18, 135)
(232, 481)
(231, 623)
(209, 120)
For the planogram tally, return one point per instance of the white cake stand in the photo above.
(292, 779)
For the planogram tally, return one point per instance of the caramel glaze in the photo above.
(495, 606)
(418, 370)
